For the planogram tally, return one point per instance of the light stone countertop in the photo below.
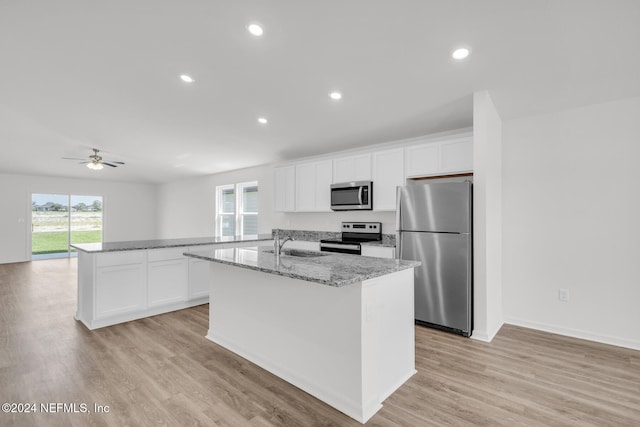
(381, 243)
(327, 268)
(165, 243)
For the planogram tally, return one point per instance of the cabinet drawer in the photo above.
(379, 251)
(121, 258)
(166, 254)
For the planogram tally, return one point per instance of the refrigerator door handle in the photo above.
(398, 211)
(398, 245)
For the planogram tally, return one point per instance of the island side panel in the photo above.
(86, 288)
(388, 333)
(307, 333)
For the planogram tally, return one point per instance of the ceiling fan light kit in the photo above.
(95, 165)
(96, 162)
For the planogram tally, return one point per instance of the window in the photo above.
(226, 218)
(58, 220)
(237, 209)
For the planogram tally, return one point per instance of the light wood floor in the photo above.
(162, 371)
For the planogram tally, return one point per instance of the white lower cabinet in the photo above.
(167, 276)
(199, 272)
(198, 269)
(379, 251)
(167, 282)
(116, 287)
(120, 289)
(198, 278)
(120, 283)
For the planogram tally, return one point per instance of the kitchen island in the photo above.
(123, 281)
(340, 327)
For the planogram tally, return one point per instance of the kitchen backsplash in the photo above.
(316, 236)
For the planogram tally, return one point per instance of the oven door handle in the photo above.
(360, 195)
(339, 246)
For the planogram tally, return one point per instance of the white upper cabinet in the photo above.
(388, 173)
(457, 155)
(422, 159)
(452, 155)
(305, 186)
(313, 181)
(352, 168)
(284, 189)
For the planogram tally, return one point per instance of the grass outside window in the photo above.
(51, 230)
(51, 242)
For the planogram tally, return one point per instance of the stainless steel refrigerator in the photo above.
(434, 225)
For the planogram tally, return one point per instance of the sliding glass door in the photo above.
(49, 225)
(57, 220)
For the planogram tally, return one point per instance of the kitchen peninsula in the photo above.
(340, 327)
(123, 281)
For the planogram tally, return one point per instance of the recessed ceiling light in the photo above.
(461, 53)
(255, 29)
(186, 78)
(262, 120)
(335, 95)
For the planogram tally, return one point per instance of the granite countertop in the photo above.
(328, 268)
(382, 243)
(165, 243)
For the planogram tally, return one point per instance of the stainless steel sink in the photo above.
(298, 253)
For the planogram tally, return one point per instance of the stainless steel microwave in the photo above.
(351, 196)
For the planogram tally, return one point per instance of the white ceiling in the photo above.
(77, 74)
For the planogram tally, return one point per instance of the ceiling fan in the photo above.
(96, 161)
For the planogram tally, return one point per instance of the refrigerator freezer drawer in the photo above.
(443, 281)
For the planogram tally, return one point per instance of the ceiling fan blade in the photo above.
(96, 159)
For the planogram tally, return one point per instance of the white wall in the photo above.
(487, 217)
(187, 208)
(572, 221)
(129, 209)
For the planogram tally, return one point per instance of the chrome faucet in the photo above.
(278, 244)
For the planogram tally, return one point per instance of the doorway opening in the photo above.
(59, 220)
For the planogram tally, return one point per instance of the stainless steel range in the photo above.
(353, 233)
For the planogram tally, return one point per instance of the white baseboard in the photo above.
(127, 317)
(484, 335)
(385, 394)
(576, 333)
(480, 336)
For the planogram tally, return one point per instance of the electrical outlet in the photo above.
(563, 295)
